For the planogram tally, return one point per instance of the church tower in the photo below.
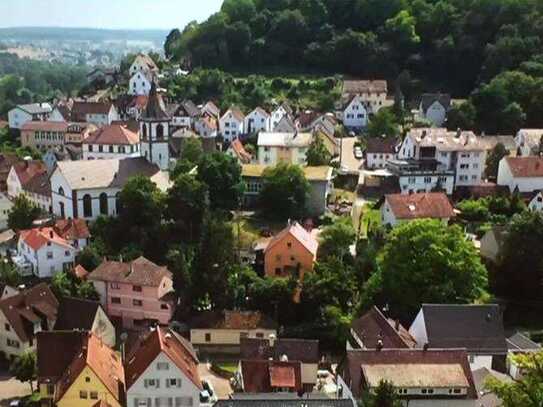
(155, 131)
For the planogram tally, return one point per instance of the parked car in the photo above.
(358, 152)
(207, 396)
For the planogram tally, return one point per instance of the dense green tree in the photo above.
(424, 261)
(461, 116)
(317, 153)
(239, 10)
(172, 43)
(222, 174)
(335, 239)
(526, 391)
(89, 258)
(22, 214)
(383, 123)
(9, 274)
(521, 268)
(493, 160)
(25, 368)
(65, 284)
(284, 191)
(384, 395)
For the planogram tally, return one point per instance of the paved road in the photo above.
(11, 388)
(221, 386)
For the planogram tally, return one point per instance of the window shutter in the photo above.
(167, 383)
(136, 402)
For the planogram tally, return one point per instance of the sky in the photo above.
(131, 14)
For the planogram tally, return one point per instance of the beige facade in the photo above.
(211, 336)
(10, 344)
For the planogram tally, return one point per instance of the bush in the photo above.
(474, 210)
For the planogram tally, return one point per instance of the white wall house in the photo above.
(143, 63)
(278, 114)
(527, 141)
(5, 206)
(274, 148)
(400, 208)
(22, 114)
(231, 124)
(170, 373)
(103, 118)
(113, 141)
(355, 115)
(140, 83)
(379, 151)
(373, 93)
(536, 204)
(434, 107)
(258, 120)
(524, 174)
(45, 251)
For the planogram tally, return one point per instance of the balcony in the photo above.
(417, 167)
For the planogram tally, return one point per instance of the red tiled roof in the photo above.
(525, 167)
(374, 326)
(240, 151)
(165, 341)
(71, 229)
(140, 272)
(433, 205)
(29, 169)
(113, 134)
(29, 305)
(263, 376)
(299, 233)
(45, 126)
(38, 237)
(139, 102)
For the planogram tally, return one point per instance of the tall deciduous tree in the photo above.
(424, 261)
(335, 240)
(317, 153)
(22, 214)
(25, 368)
(284, 191)
(383, 123)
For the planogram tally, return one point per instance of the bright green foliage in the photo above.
(284, 191)
(424, 261)
(335, 239)
(526, 391)
(385, 395)
(66, 284)
(9, 274)
(383, 123)
(22, 214)
(317, 153)
(25, 368)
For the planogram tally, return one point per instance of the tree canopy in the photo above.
(22, 214)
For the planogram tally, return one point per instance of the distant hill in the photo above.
(80, 34)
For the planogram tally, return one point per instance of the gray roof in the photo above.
(427, 99)
(519, 342)
(112, 173)
(36, 108)
(478, 328)
(488, 398)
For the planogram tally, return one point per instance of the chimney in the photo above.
(379, 345)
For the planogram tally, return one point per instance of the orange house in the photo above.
(291, 251)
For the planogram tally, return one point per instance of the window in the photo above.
(144, 131)
(411, 180)
(173, 382)
(83, 394)
(183, 402)
(289, 245)
(110, 149)
(277, 271)
(49, 255)
(475, 166)
(87, 379)
(163, 306)
(471, 358)
(7, 327)
(87, 206)
(136, 288)
(154, 383)
(457, 391)
(67, 253)
(115, 300)
(114, 286)
(61, 191)
(94, 395)
(162, 366)
(160, 131)
(137, 303)
(13, 343)
(208, 337)
(427, 180)
(464, 166)
(90, 148)
(100, 148)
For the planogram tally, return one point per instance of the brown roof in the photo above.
(81, 109)
(232, 320)
(52, 365)
(76, 313)
(113, 134)
(438, 362)
(29, 169)
(71, 229)
(238, 114)
(168, 342)
(433, 205)
(382, 145)
(80, 272)
(303, 350)
(39, 185)
(140, 272)
(30, 305)
(306, 239)
(525, 167)
(38, 237)
(155, 109)
(45, 126)
(240, 151)
(263, 376)
(374, 326)
(356, 87)
(102, 360)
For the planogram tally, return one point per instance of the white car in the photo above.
(358, 152)
(207, 396)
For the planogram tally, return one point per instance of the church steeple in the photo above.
(155, 130)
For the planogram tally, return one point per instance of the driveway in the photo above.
(11, 388)
(349, 162)
(221, 386)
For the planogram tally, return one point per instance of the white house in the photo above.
(536, 203)
(398, 208)
(143, 63)
(88, 189)
(527, 141)
(434, 107)
(21, 173)
(38, 191)
(183, 115)
(291, 148)
(524, 174)
(231, 124)
(97, 113)
(140, 83)
(258, 120)
(206, 126)
(373, 93)
(379, 150)
(355, 114)
(477, 328)
(22, 114)
(43, 252)
(163, 371)
(113, 141)
(279, 113)
(461, 152)
(5, 206)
